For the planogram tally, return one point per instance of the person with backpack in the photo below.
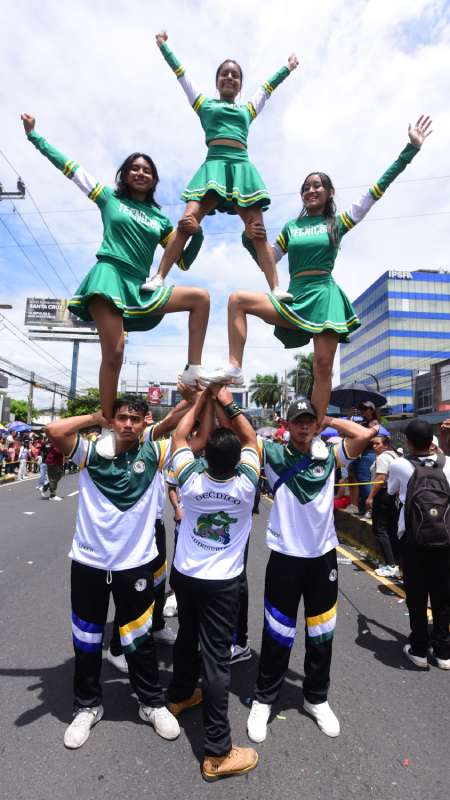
(422, 481)
(383, 507)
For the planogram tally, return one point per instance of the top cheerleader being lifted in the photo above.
(227, 180)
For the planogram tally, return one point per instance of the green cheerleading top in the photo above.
(305, 239)
(221, 119)
(131, 229)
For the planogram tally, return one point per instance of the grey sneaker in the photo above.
(165, 636)
(418, 661)
(162, 720)
(80, 728)
(239, 653)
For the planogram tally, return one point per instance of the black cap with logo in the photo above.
(300, 406)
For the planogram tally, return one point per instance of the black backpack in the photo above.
(427, 504)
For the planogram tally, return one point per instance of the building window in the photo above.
(424, 399)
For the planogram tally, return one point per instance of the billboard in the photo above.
(51, 312)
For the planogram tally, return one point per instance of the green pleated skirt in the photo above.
(112, 280)
(228, 173)
(319, 305)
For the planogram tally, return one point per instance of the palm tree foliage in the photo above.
(302, 376)
(266, 390)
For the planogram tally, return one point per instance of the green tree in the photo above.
(266, 390)
(302, 376)
(86, 403)
(20, 410)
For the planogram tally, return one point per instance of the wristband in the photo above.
(232, 410)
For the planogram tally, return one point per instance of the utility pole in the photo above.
(137, 364)
(74, 372)
(19, 195)
(30, 400)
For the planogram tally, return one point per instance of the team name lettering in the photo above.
(139, 216)
(218, 496)
(313, 230)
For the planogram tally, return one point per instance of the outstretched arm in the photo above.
(96, 191)
(63, 432)
(195, 97)
(238, 422)
(256, 230)
(256, 104)
(417, 135)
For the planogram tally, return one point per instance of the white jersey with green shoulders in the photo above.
(217, 516)
(301, 521)
(118, 505)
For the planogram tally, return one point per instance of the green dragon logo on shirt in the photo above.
(215, 526)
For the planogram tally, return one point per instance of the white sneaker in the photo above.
(239, 653)
(171, 606)
(233, 376)
(153, 283)
(119, 662)
(281, 295)
(443, 663)
(418, 661)
(105, 445)
(165, 636)
(387, 571)
(318, 449)
(192, 374)
(55, 498)
(79, 729)
(257, 721)
(324, 716)
(352, 509)
(162, 720)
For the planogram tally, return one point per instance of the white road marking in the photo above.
(73, 493)
(29, 513)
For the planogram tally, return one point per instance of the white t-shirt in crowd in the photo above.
(382, 463)
(399, 475)
(217, 516)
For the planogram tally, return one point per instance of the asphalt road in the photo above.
(395, 719)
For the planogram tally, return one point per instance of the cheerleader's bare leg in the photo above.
(325, 345)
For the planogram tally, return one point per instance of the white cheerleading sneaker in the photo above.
(282, 296)
(192, 374)
(418, 661)
(80, 728)
(105, 445)
(257, 721)
(171, 606)
(153, 283)
(119, 662)
(324, 716)
(162, 720)
(230, 375)
(319, 451)
(165, 636)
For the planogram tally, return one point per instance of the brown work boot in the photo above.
(194, 700)
(238, 761)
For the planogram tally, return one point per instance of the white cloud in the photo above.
(99, 88)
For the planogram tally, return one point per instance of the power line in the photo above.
(27, 257)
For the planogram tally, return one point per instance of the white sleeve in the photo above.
(189, 88)
(278, 251)
(357, 211)
(79, 454)
(393, 482)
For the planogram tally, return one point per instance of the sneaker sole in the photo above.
(77, 746)
(211, 777)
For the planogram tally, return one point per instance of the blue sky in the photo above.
(99, 88)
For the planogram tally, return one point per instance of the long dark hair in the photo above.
(123, 190)
(330, 208)
(233, 62)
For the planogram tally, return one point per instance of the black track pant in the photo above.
(289, 578)
(384, 525)
(159, 585)
(207, 612)
(427, 572)
(132, 590)
(241, 634)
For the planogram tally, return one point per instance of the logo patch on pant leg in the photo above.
(140, 584)
(333, 575)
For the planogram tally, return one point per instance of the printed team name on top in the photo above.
(311, 230)
(139, 216)
(218, 496)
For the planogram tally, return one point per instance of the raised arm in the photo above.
(186, 424)
(192, 93)
(356, 438)
(357, 211)
(238, 422)
(64, 432)
(95, 190)
(256, 103)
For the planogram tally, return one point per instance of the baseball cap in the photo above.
(299, 407)
(367, 404)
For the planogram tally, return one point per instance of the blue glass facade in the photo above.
(405, 327)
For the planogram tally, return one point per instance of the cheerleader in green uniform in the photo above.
(110, 294)
(320, 310)
(227, 180)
